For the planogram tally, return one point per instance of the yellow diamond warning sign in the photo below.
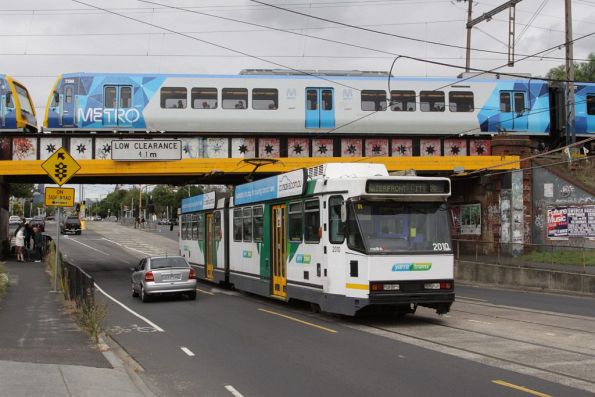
(59, 196)
(60, 166)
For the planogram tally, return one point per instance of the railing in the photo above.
(78, 285)
(558, 257)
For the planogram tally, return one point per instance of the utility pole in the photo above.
(570, 115)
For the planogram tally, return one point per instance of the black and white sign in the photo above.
(146, 150)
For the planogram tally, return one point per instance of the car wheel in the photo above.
(134, 293)
(143, 295)
(192, 295)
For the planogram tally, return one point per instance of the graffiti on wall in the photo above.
(571, 221)
(466, 219)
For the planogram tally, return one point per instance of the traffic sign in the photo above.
(59, 196)
(61, 166)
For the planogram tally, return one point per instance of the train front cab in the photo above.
(17, 112)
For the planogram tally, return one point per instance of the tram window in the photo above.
(373, 100)
(519, 102)
(336, 235)
(591, 105)
(354, 237)
(247, 224)
(327, 100)
(200, 236)
(402, 101)
(312, 220)
(460, 101)
(234, 98)
(431, 101)
(109, 97)
(125, 97)
(505, 102)
(203, 98)
(258, 223)
(237, 225)
(185, 231)
(312, 100)
(296, 217)
(173, 97)
(265, 99)
(194, 230)
(218, 232)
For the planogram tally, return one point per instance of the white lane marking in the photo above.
(187, 351)
(478, 322)
(146, 320)
(471, 299)
(233, 391)
(124, 246)
(88, 246)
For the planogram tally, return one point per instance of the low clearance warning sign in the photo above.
(59, 196)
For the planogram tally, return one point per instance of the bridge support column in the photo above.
(4, 215)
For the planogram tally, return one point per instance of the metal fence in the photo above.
(78, 285)
(558, 257)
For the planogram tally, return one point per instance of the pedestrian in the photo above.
(19, 242)
(142, 222)
(28, 232)
(37, 243)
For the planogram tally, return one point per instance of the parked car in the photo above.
(14, 220)
(160, 275)
(71, 224)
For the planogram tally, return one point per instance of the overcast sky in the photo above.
(41, 39)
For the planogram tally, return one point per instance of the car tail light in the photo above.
(149, 276)
(192, 274)
(445, 285)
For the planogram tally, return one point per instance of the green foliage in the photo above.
(584, 72)
(3, 281)
(562, 256)
(91, 318)
(21, 190)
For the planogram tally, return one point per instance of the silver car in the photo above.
(158, 275)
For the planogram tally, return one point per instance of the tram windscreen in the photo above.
(395, 227)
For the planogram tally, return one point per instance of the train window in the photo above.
(247, 224)
(218, 231)
(373, 100)
(591, 105)
(204, 98)
(237, 225)
(200, 235)
(327, 100)
(68, 95)
(173, 97)
(505, 102)
(24, 99)
(109, 97)
(296, 217)
(265, 99)
(312, 220)
(336, 235)
(258, 223)
(460, 101)
(519, 102)
(125, 97)
(431, 101)
(234, 98)
(312, 100)
(402, 101)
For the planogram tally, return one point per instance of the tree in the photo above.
(584, 72)
(21, 190)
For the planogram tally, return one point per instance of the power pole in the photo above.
(570, 115)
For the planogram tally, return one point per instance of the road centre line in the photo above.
(146, 320)
(520, 388)
(300, 321)
(187, 351)
(205, 292)
(88, 246)
(125, 246)
(471, 299)
(233, 391)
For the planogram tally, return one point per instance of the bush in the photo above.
(3, 280)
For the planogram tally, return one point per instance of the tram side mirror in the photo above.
(343, 212)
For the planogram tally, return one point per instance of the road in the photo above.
(493, 342)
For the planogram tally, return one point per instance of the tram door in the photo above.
(278, 248)
(210, 247)
(513, 109)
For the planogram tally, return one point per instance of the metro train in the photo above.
(272, 101)
(17, 113)
(345, 237)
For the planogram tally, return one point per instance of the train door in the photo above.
(117, 102)
(320, 110)
(210, 247)
(68, 106)
(278, 248)
(514, 110)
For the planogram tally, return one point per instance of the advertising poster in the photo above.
(571, 221)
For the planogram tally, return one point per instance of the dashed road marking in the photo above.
(187, 351)
(233, 391)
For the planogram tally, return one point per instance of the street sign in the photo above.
(59, 196)
(60, 166)
(146, 150)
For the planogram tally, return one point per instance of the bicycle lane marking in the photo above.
(125, 246)
(88, 246)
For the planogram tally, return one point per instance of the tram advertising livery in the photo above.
(17, 113)
(275, 101)
(344, 237)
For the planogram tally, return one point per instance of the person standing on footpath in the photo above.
(19, 242)
(37, 243)
(27, 231)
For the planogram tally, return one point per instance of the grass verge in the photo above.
(3, 281)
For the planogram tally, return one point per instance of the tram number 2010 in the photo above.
(441, 247)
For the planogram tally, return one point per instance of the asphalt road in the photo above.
(228, 342)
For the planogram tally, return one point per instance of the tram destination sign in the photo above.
(412, 187)
(146, 150)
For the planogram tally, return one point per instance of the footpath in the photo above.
(43, 352)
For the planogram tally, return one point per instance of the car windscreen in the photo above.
(161, 263)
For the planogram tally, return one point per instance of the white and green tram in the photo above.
(341, 236)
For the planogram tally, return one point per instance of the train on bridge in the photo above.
(17, 112)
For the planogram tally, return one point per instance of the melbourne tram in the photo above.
(286, 102)
(17, 113)
(343, 237)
